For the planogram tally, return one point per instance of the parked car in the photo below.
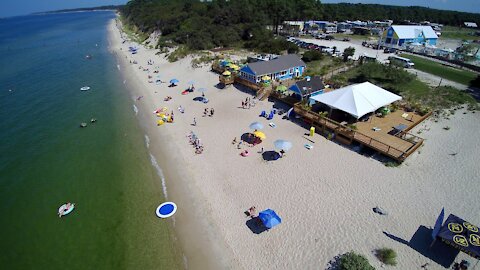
(390, 50)
(321, 36)
(329, 37)
(346, 39)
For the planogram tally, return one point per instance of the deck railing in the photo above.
(226, 79)
(397, 154)
(254, 86)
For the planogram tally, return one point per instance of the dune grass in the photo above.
(418, 94)
(435, 68)
(452, 32)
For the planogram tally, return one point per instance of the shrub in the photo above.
(353, 261)
(387, 256)
(310, 56)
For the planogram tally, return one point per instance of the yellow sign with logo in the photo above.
(460, 240)
(470, 227)
(475, 239)
(455, 227)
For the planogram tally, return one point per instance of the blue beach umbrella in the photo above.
(202, 90)
(269, 218)
(256, 126)
(174, 81)
(282, 145)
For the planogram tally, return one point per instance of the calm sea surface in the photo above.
(47, 160)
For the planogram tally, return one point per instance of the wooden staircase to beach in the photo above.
(264, 93)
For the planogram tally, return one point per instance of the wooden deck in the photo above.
(398, 146)
(384, 125)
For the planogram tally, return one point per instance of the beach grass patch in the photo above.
(354, 261)
(464, 77)
(417, 94)
(387, 256)
(179, 53)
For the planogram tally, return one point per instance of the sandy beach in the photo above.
(324, 195)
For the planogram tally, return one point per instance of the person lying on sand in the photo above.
(252, 211)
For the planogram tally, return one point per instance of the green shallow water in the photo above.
(47, 160)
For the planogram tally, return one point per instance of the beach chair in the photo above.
(270, 116)
(263, 114)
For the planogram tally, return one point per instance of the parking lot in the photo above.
(342, 45)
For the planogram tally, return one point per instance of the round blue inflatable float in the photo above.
(166, 209)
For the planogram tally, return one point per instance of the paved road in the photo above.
(434, 80)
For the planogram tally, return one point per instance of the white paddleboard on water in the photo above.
(85, 88)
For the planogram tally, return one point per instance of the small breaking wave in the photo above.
(135, 109)
(118, 67)
(160, 173)
(147, 141)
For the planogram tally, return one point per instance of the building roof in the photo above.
(308, 86)
(470, 24)
(357, 99)
(412, 31)
(281, 63)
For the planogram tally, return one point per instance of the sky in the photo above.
(10, 8)
(459, 5)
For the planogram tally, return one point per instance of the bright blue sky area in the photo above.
(10, 8)
(460, 5)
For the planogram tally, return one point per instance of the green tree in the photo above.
(350, 51)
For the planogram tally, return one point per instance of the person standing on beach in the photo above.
(212, 111)
(194, 121)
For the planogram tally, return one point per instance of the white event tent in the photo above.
(357, 99)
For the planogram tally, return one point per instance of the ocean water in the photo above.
(46, 159)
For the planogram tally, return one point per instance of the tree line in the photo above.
(222, 23)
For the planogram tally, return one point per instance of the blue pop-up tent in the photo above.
(269, 218)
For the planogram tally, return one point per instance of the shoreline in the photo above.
(189, 222)
(325, 195)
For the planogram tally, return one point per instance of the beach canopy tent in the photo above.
(357, 99)
(269, 218)
(461, 235)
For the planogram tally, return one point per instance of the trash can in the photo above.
(312, 131)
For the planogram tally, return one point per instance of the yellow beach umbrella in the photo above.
(260, 135)
(266, 78)
(227, 73)
(234, 67)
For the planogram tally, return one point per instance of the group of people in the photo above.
(207, 112)
(195, 141)
(248, 103)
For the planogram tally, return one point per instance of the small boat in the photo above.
(65, 209)
(93, 120)
(82, 125)
(85, 88)
(88, 56)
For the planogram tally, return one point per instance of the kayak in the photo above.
(64, 210)
(85, 88)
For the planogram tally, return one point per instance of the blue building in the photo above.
(401, 35)
(281, 68)
(308, 87)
